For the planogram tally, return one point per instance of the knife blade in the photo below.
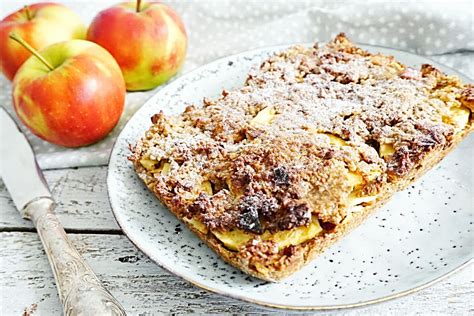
(18, 167)
(79, 289)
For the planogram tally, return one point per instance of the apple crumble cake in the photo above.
(273, 173)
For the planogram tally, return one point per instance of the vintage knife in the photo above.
(80, 291)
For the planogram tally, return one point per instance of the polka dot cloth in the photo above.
(441, 30)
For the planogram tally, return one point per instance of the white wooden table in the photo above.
(27, 284)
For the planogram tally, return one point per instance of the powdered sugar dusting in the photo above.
(362, 101)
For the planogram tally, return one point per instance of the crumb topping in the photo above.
(312, 130)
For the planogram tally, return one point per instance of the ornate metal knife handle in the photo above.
(80, 291)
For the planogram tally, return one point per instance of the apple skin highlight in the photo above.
(76, 104)
(149, 45)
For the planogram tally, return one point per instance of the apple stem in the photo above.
(28, 13)
(33, 51)
(139, 3)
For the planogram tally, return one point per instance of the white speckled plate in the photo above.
(422, 235)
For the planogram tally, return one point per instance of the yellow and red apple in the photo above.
(71, 93)
(41, 25)
(148, 41)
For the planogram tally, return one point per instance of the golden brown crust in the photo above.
(467, 96)
(312, 131)
(302, 254)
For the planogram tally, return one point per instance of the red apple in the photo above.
(71, 93)
(148, 41)
(41, 25)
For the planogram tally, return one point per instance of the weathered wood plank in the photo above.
(144, 288)
(81, 195)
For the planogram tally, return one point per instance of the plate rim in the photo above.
(243, 298)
